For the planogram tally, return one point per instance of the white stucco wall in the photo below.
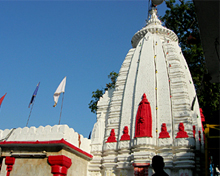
(47, 133)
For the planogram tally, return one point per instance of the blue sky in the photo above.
(44, 41)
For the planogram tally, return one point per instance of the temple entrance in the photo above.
(141, 169)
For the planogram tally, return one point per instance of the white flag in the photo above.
(60, 89)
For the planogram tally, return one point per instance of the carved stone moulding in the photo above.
(109, 159)
(182, 150)
(124, 145)
(153, 29)
(94, 173)
(187, 121)
(109, 166)
(94, 168)
(113, 118)
(164, 142)
(108, 172)
(166, 152)
(143, 148)
(96, 155)
(181, 107)
(96, 148)
(184, 155)
(179, 101)
(184, 164)
(110, 146)
(187, 142)
(124, 158)
(124, 165)
(182, 114)
(124, 151)
(144, 141)
(142, 157)
(96, 161)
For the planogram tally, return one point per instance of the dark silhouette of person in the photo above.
(158, 165)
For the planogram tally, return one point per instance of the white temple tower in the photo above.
(131, 128)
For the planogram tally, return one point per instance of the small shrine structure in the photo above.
(56, 150)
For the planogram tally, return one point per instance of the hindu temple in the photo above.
(153, 110)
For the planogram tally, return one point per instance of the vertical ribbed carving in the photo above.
(178, 88)
(116, 101)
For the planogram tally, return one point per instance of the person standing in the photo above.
(158, 165)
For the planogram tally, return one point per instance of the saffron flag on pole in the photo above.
(60, 89)
(1, 99)
(34, 95)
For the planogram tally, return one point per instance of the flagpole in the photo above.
(30, 113)
(61, 108)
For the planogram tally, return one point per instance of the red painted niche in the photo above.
(112, 137)
(125, 135)
(143, 124)
(164, 133)
(182, 133)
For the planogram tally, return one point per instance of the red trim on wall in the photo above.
(9, 161)
(62, 141)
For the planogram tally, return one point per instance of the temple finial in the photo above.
(154, 19)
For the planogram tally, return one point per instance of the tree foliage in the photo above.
(99, 92)
(181, 18)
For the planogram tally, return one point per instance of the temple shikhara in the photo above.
(153, 110)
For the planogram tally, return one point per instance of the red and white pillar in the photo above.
(9, 161)
(59, 164)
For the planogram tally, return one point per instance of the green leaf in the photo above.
(99, 92)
